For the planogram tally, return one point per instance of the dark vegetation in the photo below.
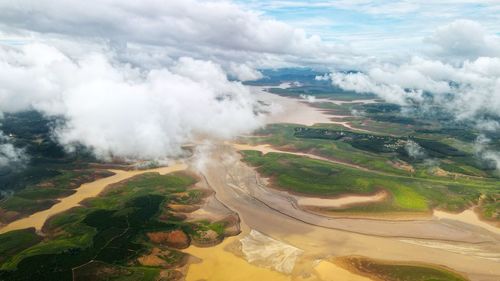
(111, 244)
(380, 143)
(16, 241)
(41, 196)
(108, 234)
(32, 132)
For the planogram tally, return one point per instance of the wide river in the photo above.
(282, 241)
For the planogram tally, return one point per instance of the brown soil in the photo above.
(152, 259)
(171, 275)
(157, 257)
(176, 238)
(232, 223)
(208, 238)
(403, 166)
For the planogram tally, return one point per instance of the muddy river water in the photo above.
(462, 243)
(435, 241)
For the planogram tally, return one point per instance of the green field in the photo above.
(394, 271)
(316, 177)
(16, 241)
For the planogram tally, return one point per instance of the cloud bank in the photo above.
(139, 79)
(154, 31)
(9, 154)
(461, 75)
(121, 111)
(465, 82)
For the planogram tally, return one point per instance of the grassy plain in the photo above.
(321, 178)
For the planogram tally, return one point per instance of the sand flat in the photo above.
(218, 264)
(235, 185)
(284, 110)
(295, 111)
(87, 190)
(467, 216)
(328, 271)
(340, 201)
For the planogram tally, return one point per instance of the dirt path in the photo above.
(88, 190)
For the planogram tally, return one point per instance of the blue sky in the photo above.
(378, 26)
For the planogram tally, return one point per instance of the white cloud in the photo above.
(363, 83)
(118, 110)
(308, 98)
(414, 150)
(201, 29)
(475, 85)
(482, 150)
(9, 154)
(464, 39)
(465, 82)
(244, 72)
(141, 77)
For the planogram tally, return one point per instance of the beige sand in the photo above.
(284, 110)
(218, 264)
(88, 190)
(467, 216)
(479, 250)
(328, 271)
(264, 251)
(295, 111)
(321, 237)
(340, 201)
